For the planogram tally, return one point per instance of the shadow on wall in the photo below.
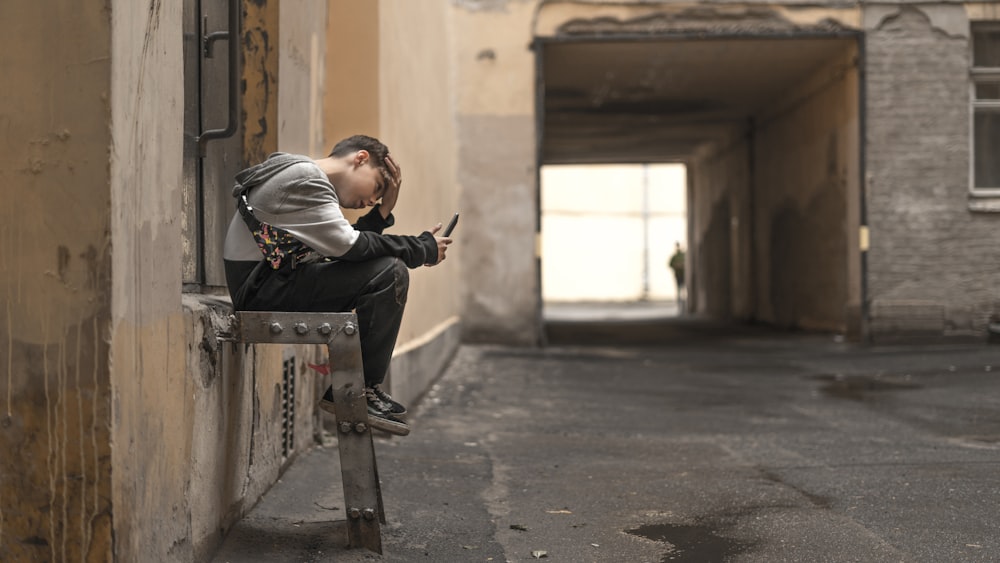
(807, 259)
(713, 265)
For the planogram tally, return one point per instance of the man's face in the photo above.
(363, 185)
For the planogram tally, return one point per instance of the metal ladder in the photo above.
(359, 473)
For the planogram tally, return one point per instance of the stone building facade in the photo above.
(842, 177)
(831, 150)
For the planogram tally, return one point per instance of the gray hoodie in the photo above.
(291, 192)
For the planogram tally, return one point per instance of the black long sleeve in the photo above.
(414, 251)
(373, 220)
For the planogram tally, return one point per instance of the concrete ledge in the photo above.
(417, 364)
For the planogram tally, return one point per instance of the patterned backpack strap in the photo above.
(276, 244)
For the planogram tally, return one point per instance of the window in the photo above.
(985, 94)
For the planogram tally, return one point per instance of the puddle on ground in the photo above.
(863, 387)
(691, 543)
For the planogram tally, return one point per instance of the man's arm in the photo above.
(374, 221)
(413, 251)
(426, 249)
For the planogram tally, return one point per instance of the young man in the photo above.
(290, 248)
(677, 264)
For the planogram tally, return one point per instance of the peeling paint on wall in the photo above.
(57, 436)
(485, 5)
(55, 483)
(710, 19)
(260, 80)
(644, 18)
(951, 21)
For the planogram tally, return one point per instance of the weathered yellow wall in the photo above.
(150, 387)
(494, 77)
(133, 433)
(493, 58)
(351, 78)
(455, 91)
(236, 431)
(261, 38)
(198, 422)
(55, 402)
(416, 111)
(388, 75)
(416, 120)
(300, 76)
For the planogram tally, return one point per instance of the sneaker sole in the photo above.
(385, 425)
(396, 428)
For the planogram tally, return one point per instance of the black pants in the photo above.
(374, 289)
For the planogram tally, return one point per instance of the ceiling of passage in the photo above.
(657, 100)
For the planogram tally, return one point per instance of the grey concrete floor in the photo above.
(656, 440)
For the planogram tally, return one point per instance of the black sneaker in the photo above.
(387, 401)
(380, 417)
(377, 417)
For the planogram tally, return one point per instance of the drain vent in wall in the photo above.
(288, 406)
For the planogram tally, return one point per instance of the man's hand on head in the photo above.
(393, 179)
(394, 170)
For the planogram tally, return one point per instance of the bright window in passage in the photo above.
(986, 108)
(608, 231)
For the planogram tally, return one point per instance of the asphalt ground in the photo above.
(669, 440)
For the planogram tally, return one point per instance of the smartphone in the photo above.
(451, 225)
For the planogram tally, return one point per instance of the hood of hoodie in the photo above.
(292, 193)
(260, 173)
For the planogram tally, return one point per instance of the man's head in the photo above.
(365, 176)
(376, 150)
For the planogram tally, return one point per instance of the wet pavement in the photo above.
(647, 439)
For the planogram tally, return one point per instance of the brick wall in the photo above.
(933, 263)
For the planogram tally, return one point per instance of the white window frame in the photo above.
(980, 75)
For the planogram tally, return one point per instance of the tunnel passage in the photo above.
(768, 127)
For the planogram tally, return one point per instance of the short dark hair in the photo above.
(375, 148)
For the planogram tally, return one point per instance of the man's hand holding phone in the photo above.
(444, 240)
